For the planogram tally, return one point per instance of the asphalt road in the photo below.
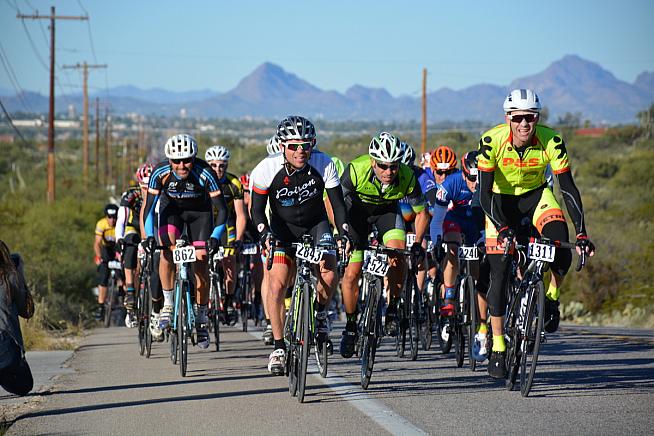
(588, 381)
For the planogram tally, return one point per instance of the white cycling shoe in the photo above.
(277, 362)
(480, 347)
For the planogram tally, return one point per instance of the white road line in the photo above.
(374, 409)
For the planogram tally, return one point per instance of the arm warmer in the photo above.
(258, 211)
(486, 198)
(572, 200)
(123, 215)
(148, 214)
(335, 195)
(218, 202)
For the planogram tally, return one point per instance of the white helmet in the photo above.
(181, 146)
(273, 146)
(522, 100)
(385, 148)
(409, 155)
(217, 152)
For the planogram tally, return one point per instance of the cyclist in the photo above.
(187, 189)
(127, 237)
(251, 235)
(293, 183)
(272, 147)
(104, 246)
(373, 184)
(512, 161)
(470, 174)
(218, 157)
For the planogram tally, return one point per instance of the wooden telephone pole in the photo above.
(423, 142)
(85, 147)
(51, 133)
(97, 141)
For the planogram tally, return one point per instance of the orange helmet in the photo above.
(443, 158)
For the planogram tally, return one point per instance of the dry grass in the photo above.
(38, 335)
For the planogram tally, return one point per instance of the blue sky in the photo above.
(333, 44)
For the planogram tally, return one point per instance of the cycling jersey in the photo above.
(196, 193)
(362, 187)
(106, 232)
(520, 172)
(232, 190)
(128, 213)
(295, 196)
(451, 203)
(426, 182)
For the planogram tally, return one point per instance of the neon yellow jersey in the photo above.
(106, 232)
(340, 168)
(515, 174)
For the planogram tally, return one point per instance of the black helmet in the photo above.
(111, 210)
(469, 165)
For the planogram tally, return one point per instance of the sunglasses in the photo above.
(384, 167)
(530, 118)
(305, 146)
(220, 167)
(444, 172)
(186, 160)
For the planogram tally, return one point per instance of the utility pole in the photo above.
(97, 141)
(51, 133)
(107, 161)
(85, 147)
(423, 143)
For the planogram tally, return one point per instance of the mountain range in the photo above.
(571, 84)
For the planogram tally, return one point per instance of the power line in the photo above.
(13, 79)
(12, 123)
(88, 26)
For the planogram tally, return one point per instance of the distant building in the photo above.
(72, 113)
(182, 113)
(593, 132)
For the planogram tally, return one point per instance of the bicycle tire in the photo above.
(140, 302)
(459, 343)
(321, 355)
(215, 312)
(429, 311)
(532, 340)
(109, 302)
(291, 346)
(305, 344)
(372, 326)
(183, 330)
(511, 331)
(147, 308)
(473, 318)
(413, 320)
(245, 301)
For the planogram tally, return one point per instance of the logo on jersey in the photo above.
(303, 192)
(286, 180)
(519, 163)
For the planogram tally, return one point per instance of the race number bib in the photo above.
(250, 249)
(410, 239)
(378, 264)
(114, 264)
(468, 253)
(542, 252)
(310, 254)
(184, 255)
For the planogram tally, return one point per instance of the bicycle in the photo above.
(370, 326)
(113, 298)
(464, 321)
(523, 325)
(245, 284)
(143, 303)
(409, 312)
(299, 326)
(183, 320)
(216, 307)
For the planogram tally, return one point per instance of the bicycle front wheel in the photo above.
(183, 329)
(142, 327)
(305, 340)
(471, 296)
(109, 302)
(532, 337)
(370, 335)
(413, 321)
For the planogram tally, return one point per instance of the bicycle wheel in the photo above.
(512, 333)
(471, 304)
(305, 343)
(147, 308)
(532, 339)
(183, 329)
(370, 334)
(109, 301)
(140, 303)
(426, 330)
(413, 321)
(321, 354)
(214, 317)
(459, 342)
(291, 336)
(245, 301)
(444, 329)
